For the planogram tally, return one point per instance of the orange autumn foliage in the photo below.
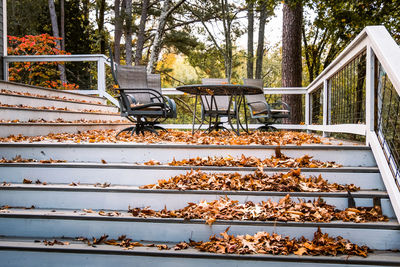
(36, 73)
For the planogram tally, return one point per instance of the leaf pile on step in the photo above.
(284, 210)
(122, 241)
(5, 91)
(292, 181)
(266, 243)
(56, 108)
(173, 136)
(279, 160)
(19, 159)
(259, 243)
(55, 242)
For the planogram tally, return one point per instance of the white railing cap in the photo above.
(84, 57)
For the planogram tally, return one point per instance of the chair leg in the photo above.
(131, 128)
(266, 128)
(158, 127)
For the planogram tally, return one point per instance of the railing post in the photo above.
(326, 107)
(5, 69)
(370, 93)
(307, 110)
(101, 76)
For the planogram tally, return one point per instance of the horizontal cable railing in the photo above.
(387, 125)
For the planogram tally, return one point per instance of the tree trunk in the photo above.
(118, 24)
(260, 45)
(167, 10)
(54, 25)
(102, 10)
(250, 40)
(62, 24)
(227, 24)
(141, 32)
(128, 32)
(291, 56)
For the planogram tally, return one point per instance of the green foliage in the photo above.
(337, 22)
(28, 17)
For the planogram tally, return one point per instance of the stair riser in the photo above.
(35, 130)
(176, 232)
(137, 177)
(48, 92)
(98, 200)
(164, 153)
(14, 258)
(26, 115)
(41, 102)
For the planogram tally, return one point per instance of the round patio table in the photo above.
(236, 92)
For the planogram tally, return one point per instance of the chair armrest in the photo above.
(284, 105)
(171, 106)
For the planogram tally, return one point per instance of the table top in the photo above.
(220, 89)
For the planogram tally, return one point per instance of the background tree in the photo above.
(250, 39)
(266, 10)
(291, 55)
(168, 8)
(141, 32)
(54, 24)
(226, 13)
(101, 7)
(128, 31)
(119, 10)
(335, 23)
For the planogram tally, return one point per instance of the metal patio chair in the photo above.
(264, 112)
(215, 106)
(139, 103)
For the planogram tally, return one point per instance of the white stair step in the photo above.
(136, 175)
(35, 129)
(120, 197)
(139, 153)
(25, 252)
(26, 114)
(48, 224)
(57, 103)
(18, 87)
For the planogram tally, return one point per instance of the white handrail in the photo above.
(101, 60)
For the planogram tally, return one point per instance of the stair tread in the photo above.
(60, 111)
(36, 124)
(187, 146)
(57, 100)
(188, 167)
(68, 214)
(136, 189)
(24, 244)
(57, 91)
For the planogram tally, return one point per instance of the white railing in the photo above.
(379, 47)
(101, 60)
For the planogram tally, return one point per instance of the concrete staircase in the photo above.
(61, 209)
(31, 110)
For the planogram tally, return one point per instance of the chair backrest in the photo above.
(154, 82)
(221, 101)
(256, 102)
(133, 77)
